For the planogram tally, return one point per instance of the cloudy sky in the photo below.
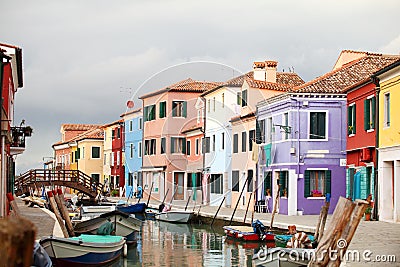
(84, 59)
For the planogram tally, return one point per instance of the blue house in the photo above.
(133, 121)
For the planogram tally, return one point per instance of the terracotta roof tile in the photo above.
(349, 75)
(77, 127)
(284, 81)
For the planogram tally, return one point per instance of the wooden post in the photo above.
(237, 202)
(275, 205)
(151, 190)
(340, 219)
(319, 230)
(14, 206)
(64, 212)
(217, 210)
(187, 203)
(247, 209)
(57, 213)
(17, 237)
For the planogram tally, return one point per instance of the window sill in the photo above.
(315, 198)
(370, 130)
(351, 135)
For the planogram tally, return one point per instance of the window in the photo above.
(206, 145)
(140, 150)
(239, 98)
(163, 145)
(260, 131)
(131, 125)
(118, 132)
(105, 159)
(149, 113)
(83, 152)
(351, 119)
(209, 105)
(118, 158)
(214, 103)
(244, 98)
(130, 179)
(140, 123)
(252, 136)
(95, 177)
(95, 152)
(197, 146)
(112, 159)
(286, 123)
(150, 147)
(179, 109)
(317, 182)
(199, 115)
(284, 183)
(178, 145)
(77, 154)
(72, 157)
(216, 183)
(223, 99)
(222, 141)
(112, 134)
(131, 150)
(386, 119)
(271, 130)
(235, 181)
(188, 147)
(267, 183)
(163, 109)
(249, 180)
(317, 125)
(213, 142)
(244, 141)
(369, 113)
(235, 143)
(194, 180)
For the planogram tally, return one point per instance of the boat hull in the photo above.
(174, 216)
(134, 208)
(246, 233)
(73, 252)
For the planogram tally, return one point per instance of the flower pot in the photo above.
(367, 216)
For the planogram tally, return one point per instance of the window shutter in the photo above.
(307, 183)
(145, 115)
(327, 182)
(267, 182)
(349, 112)
(321, 125)
(258, 132)
(184, 145)
(354, 119)
(373, 103)
(184, 107)
(162, 110)
(351, 182)
(172, 144)
(281, 182)
(268, 158)
(366, 114)
(163, 145)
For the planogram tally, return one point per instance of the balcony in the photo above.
(18, 135)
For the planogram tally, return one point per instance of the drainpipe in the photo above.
(375, 214)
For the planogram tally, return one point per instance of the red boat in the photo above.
(248, 244)
(246, 233)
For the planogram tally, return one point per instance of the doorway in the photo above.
(178, 185)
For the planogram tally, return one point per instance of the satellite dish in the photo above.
(130, 104)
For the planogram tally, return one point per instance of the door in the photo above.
(178, 185)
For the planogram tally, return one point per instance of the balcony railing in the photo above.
(18, 135)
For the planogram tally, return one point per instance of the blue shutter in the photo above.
(307, 184)
(184, 109)
(327, 182)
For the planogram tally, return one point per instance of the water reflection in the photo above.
(166, 244)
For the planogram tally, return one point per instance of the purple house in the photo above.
(303, 140)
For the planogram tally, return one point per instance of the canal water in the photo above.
(167, 244)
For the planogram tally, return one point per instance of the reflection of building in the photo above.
(389, 143)
(133, 121)
(12, 138)
(166, 113)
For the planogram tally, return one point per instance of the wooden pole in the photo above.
(173, 196)
(57, 213)
(217, 210)
(340, 219)
(319, 229)
(165, 196)
(275, 205)
(64, 212)
(187, 203)
(237, 202)
(17, 237)
(247, 209)
(13, 204)
(151, 190)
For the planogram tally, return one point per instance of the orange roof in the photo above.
(188, 85)
(349, 75)
(93, 133)
(78, 127)
(284, 81)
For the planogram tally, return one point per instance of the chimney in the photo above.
(270, 70)
(259, 71)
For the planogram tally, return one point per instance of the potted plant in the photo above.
(114, 193)
(367, 213)
(316, 193)
(28, 131)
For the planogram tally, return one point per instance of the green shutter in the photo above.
(268, 158)
(307, 184)
(328, 182)
(281, 182)
(258, 132)
(366, 114)
(354, 119)
(163, 145)
(172, 144)
(351, 182)
(184, 112)
(184, 146)
(349, 113)
(373, 103)
(162, 110)
(145, 114)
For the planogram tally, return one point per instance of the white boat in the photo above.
(85, 250)
(174, 216)
(283, 257)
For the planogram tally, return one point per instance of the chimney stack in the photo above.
(270, 70)
(259, 71)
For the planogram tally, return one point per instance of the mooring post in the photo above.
(218, 210)
(237, 202)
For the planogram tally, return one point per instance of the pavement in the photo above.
(374, 241)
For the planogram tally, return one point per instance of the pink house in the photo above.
(166, 114)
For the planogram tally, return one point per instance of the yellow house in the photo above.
(389, 143)
(89, 156)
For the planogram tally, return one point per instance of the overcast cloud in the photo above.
(84, 59)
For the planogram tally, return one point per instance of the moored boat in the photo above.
(247, 233)
(85, 250)
(283, 257)
(133, 208)
(282, 240)
(174, 216)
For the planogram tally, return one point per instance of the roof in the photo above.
(131, 112)
(188, 85)
(78, 127)
(349, 75)
(243, 117)
(192, 128)
(112, 123)
(94, 133)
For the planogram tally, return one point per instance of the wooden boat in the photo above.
(85, 250)
(248, 244)
(123, 224)
(174, 216)
(282, 240)
(283, 257)
(134, 208)
(247, 233)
